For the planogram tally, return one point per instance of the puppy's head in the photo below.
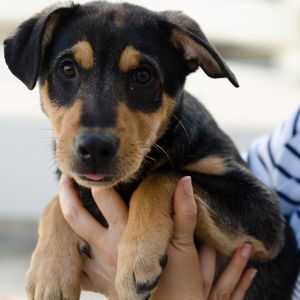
(110, 79)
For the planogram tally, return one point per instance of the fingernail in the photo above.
(187, 186)
(64, 177)
(252, 274)
(246, 250)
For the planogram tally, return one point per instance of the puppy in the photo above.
(111, 80)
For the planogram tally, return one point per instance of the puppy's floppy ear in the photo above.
(190, 41)
(23, 51)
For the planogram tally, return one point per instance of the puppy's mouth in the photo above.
(89, 180)
(96, 178)
(93, 177)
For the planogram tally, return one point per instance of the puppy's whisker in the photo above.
(147, 162)
(181, 124)
(153, 159)
(166, 154)
(144, 146)
(50, 166)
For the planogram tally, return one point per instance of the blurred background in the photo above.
(260, 40)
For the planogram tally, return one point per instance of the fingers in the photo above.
(112, 207)
(231, 282)
(107, 199)
(185, 214)
(207, 257)
(244, 284)
(75, 214)
(181, 278)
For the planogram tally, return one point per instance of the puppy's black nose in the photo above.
(93, 147)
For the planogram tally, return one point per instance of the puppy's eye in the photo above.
(142, 75)
(68, 68)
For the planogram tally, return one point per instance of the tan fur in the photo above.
(48, 33)
(62, 115)
(138, 131)
(83, 54)
(56, 261)
(144, 242)
(129, 59)
(211, 164)
(226, 242)
(66, 124)
(65, 121)
(194, 51)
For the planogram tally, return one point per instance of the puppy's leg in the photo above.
(142, 250)
(220, 224)
(235, 208)
(56, 263)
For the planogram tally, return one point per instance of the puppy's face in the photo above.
(104, 88)
(110, 78)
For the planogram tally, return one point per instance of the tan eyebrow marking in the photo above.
(130, 59)
(83, 54)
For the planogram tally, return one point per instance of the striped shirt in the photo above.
(275, 159)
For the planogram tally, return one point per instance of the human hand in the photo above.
(233, 282)
(190, 275)
(99, 273)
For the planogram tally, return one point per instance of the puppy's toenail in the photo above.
(84, 248)
(163, 261)
(147, 286)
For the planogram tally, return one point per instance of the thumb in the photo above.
(185, 214)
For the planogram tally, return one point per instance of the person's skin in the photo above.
(188, 275)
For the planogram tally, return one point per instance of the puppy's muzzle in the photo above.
(94, 148)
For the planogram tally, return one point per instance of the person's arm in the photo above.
(187, 275)
(275, 160)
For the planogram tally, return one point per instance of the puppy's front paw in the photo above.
(139, 269)
(53, 278)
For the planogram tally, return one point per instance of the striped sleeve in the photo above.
(296, 291)
(275, 159)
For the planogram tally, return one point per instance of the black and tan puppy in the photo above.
(112, 79)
